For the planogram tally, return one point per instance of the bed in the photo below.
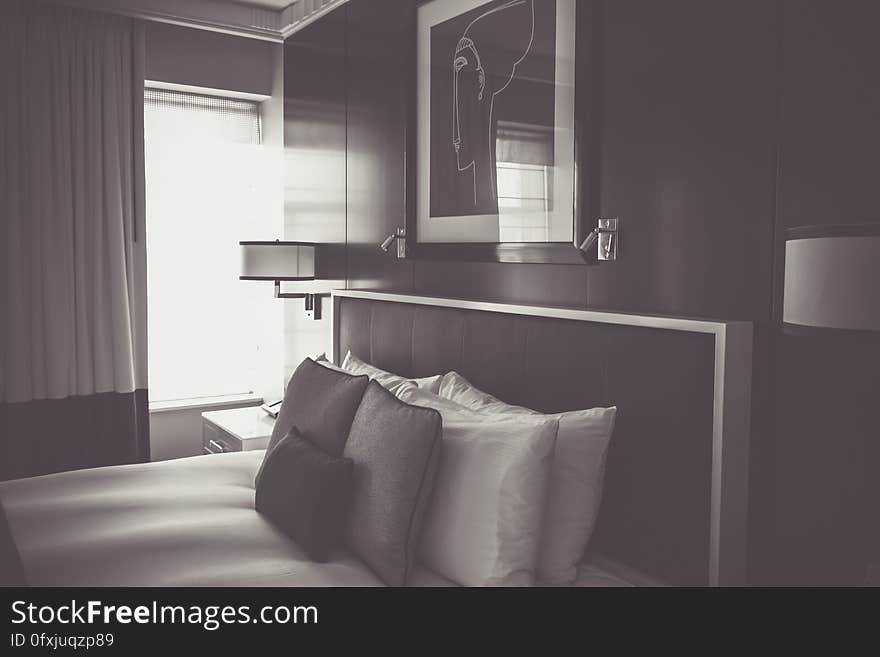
(675, 498)
(186, 522)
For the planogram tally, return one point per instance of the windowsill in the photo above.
(204, 403)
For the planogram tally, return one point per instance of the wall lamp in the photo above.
(831, 294)
(832, 279)
(398, 235)
(605, 235)
(283, 261)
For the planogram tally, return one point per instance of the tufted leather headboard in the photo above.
(676, 480)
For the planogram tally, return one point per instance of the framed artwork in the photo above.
(495, 142)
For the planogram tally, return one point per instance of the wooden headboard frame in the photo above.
(728, 488)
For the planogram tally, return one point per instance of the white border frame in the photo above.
(731, 418)
(485, 228)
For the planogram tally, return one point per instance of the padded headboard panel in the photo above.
(659, 506)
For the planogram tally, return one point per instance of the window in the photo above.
(207, 187)
(524, 155)
(523, 202)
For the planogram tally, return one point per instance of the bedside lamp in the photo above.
(283, 261)
(832, 295)
(832, 278)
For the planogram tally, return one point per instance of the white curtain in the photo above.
(72, 254)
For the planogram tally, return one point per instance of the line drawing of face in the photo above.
(473, 107)
(469, 82)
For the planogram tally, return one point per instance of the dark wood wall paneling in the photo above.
(315, 110)
(828, 389)
(686, 157)
(704, 108)
(692, 178)
(688, 96)
(379, 38)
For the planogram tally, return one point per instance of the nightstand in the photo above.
(236, 430)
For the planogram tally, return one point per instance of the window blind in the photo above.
(200, 116)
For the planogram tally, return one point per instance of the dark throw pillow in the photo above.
(394, 447)
(320, 403)
(306, 493)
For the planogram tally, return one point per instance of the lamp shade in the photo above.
(277, 261)
(832, 278)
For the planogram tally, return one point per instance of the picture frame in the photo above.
(454, 241)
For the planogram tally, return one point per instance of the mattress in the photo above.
(185, 522)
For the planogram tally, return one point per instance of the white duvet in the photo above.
(186, 522)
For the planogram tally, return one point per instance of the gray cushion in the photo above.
(320, 403)
(305, 492)
(394, 447)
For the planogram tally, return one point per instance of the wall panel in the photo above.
(314, 164)
(378, 48)
(686, 161)
(827, 453)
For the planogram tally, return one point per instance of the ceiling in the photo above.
(272, 20)
(272, 4)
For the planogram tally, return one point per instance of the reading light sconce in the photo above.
(606, 236)
(398, 235)
(283, 261)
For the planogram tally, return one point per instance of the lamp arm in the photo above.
(312, 299)
(296, 295)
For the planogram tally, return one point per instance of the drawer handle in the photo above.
(215, 447)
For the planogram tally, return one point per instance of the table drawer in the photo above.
(215, 441)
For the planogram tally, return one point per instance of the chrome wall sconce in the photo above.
(605, 235)
(398, 235)
(283, 261)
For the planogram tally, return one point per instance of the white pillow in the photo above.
(326, 362)
(576, 476)
(388, 380)
(483, 525)
(455, 387)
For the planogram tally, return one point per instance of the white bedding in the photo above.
(186, 522)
